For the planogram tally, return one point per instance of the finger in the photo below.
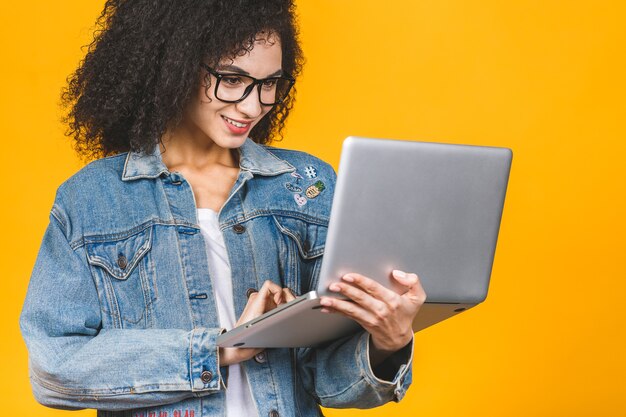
(229, 355)
(405, 279)
(271, 287)
(254, 308)
(261, 301)
(326, 309)
(372, 287)
(331, 310)
(272, 294)
(278, 297)
(256, 304)
(412, 281)
(359, 296)
(351, 310)
(288, 295)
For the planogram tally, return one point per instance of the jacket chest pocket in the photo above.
(125, 276)
(301, 248)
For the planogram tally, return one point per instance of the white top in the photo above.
(239, 400)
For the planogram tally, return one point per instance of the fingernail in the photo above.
(325, 302)
(348, 278)
(334, 287)
(398, 273)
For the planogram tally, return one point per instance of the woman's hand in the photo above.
(386, 315)
(268, 297)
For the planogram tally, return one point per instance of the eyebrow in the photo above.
(241, 71)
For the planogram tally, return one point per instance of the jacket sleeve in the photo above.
(74, 363)
(339, 374)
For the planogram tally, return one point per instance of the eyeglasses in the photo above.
(234, 88)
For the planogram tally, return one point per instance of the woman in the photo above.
(188, 222)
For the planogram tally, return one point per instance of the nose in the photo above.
(251, 105)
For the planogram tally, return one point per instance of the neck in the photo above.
(193, 149)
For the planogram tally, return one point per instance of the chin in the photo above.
(230, 141)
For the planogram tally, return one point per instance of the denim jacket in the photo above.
(120, 313)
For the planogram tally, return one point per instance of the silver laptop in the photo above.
(429, 208)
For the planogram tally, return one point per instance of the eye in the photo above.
(232, 80)
(269, 84)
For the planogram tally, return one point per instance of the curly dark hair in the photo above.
(142, 67)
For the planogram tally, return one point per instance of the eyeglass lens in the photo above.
(234, 87)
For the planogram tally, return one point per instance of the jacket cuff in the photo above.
(400, 360)
(204, 360)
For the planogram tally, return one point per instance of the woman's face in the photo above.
(228, 124)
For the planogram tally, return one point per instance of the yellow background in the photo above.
(545, 78)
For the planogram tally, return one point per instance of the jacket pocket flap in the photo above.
(119, 257)
(309, 237)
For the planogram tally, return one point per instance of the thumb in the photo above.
(409, 280)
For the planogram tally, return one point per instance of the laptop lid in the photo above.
(429, 208)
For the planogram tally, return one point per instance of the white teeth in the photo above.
(234, 123)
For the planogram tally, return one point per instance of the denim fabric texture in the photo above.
(120, 313)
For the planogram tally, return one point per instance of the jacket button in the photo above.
(274, 413)
(260, 357)
(206, 376)
(250, 291)
(239, 228)
(122, 262)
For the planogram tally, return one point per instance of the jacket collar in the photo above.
(252, 157)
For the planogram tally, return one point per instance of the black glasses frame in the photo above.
(255, 82)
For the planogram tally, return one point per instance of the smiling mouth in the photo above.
(236, 123)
